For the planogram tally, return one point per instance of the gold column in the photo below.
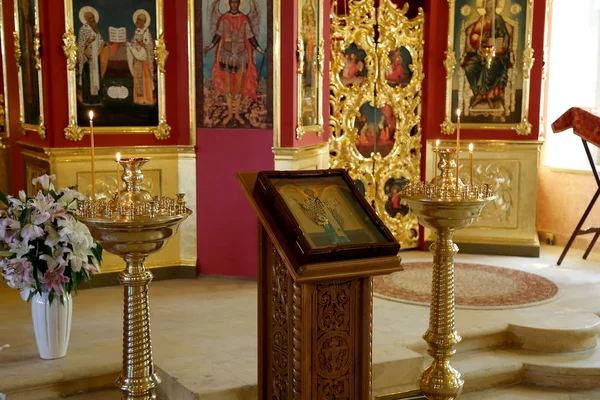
(446, 205)
(441, 381)
(137, 378)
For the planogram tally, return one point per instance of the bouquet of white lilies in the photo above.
(50, 252)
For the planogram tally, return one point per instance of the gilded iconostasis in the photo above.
(375, 80)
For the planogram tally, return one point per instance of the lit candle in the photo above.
(118, 182)
(93, 169)
(471, 164)
(435, 167)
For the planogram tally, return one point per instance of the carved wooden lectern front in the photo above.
(315, 319)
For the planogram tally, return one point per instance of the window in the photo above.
(573, 77)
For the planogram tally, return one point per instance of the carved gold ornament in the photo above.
(524, 128)
(73, 132)
(70, 49)
(2, 112)
(161, 53)
(300, 50)
(528, 61)
(163, 131)
(375, 88)
(321, 56)
(36, 51)
(450, 62)
(17, 43)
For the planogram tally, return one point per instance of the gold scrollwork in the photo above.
(162, 131)
(17, 43)
(447, 127)
(41, 128)
(300, 51)
(450, 62)
(310, 61)
(37, 43)
(31, 124)
(2, 113)
(528, 61)
(524, 128)
(321, 56)
(161, 53)
(75, 132)
(70, 48)
(401, 36)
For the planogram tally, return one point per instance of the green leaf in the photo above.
(25, 216)
(31, 294)
(3, 198)
(97, 252)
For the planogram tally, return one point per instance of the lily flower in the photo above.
(54, 278)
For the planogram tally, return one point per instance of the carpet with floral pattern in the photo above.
(476, 286)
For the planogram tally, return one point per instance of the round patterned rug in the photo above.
(476, 286)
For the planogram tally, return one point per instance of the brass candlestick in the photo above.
(445, 208)
(133, 226)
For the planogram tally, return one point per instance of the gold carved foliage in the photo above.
(73, 132)
(17, 44)
(162, 131)
(300, 50)
(528, 61)
(397, 35)
(161, 53)
(70, 48)
(36, 50)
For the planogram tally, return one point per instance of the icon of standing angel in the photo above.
(234, 35)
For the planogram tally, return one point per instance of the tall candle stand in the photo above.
(133, 226)
(445, 205)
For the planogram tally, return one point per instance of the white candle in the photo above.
(118, 181)
(92, 141)
(435, 167)
(457, 143)
(471, 164)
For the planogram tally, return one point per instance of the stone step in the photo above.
(528, 392)
(563, 331)
(108, 394)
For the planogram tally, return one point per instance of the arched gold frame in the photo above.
(395, 30)
(40, 127)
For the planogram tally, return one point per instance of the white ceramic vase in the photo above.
(52, 324)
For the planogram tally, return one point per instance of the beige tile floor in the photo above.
(205, 329)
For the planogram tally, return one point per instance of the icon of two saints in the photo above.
(95, 53)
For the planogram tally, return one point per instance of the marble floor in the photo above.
(204, 336)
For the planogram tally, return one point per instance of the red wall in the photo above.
(227, 224)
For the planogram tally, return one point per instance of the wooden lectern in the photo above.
(315, 319)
